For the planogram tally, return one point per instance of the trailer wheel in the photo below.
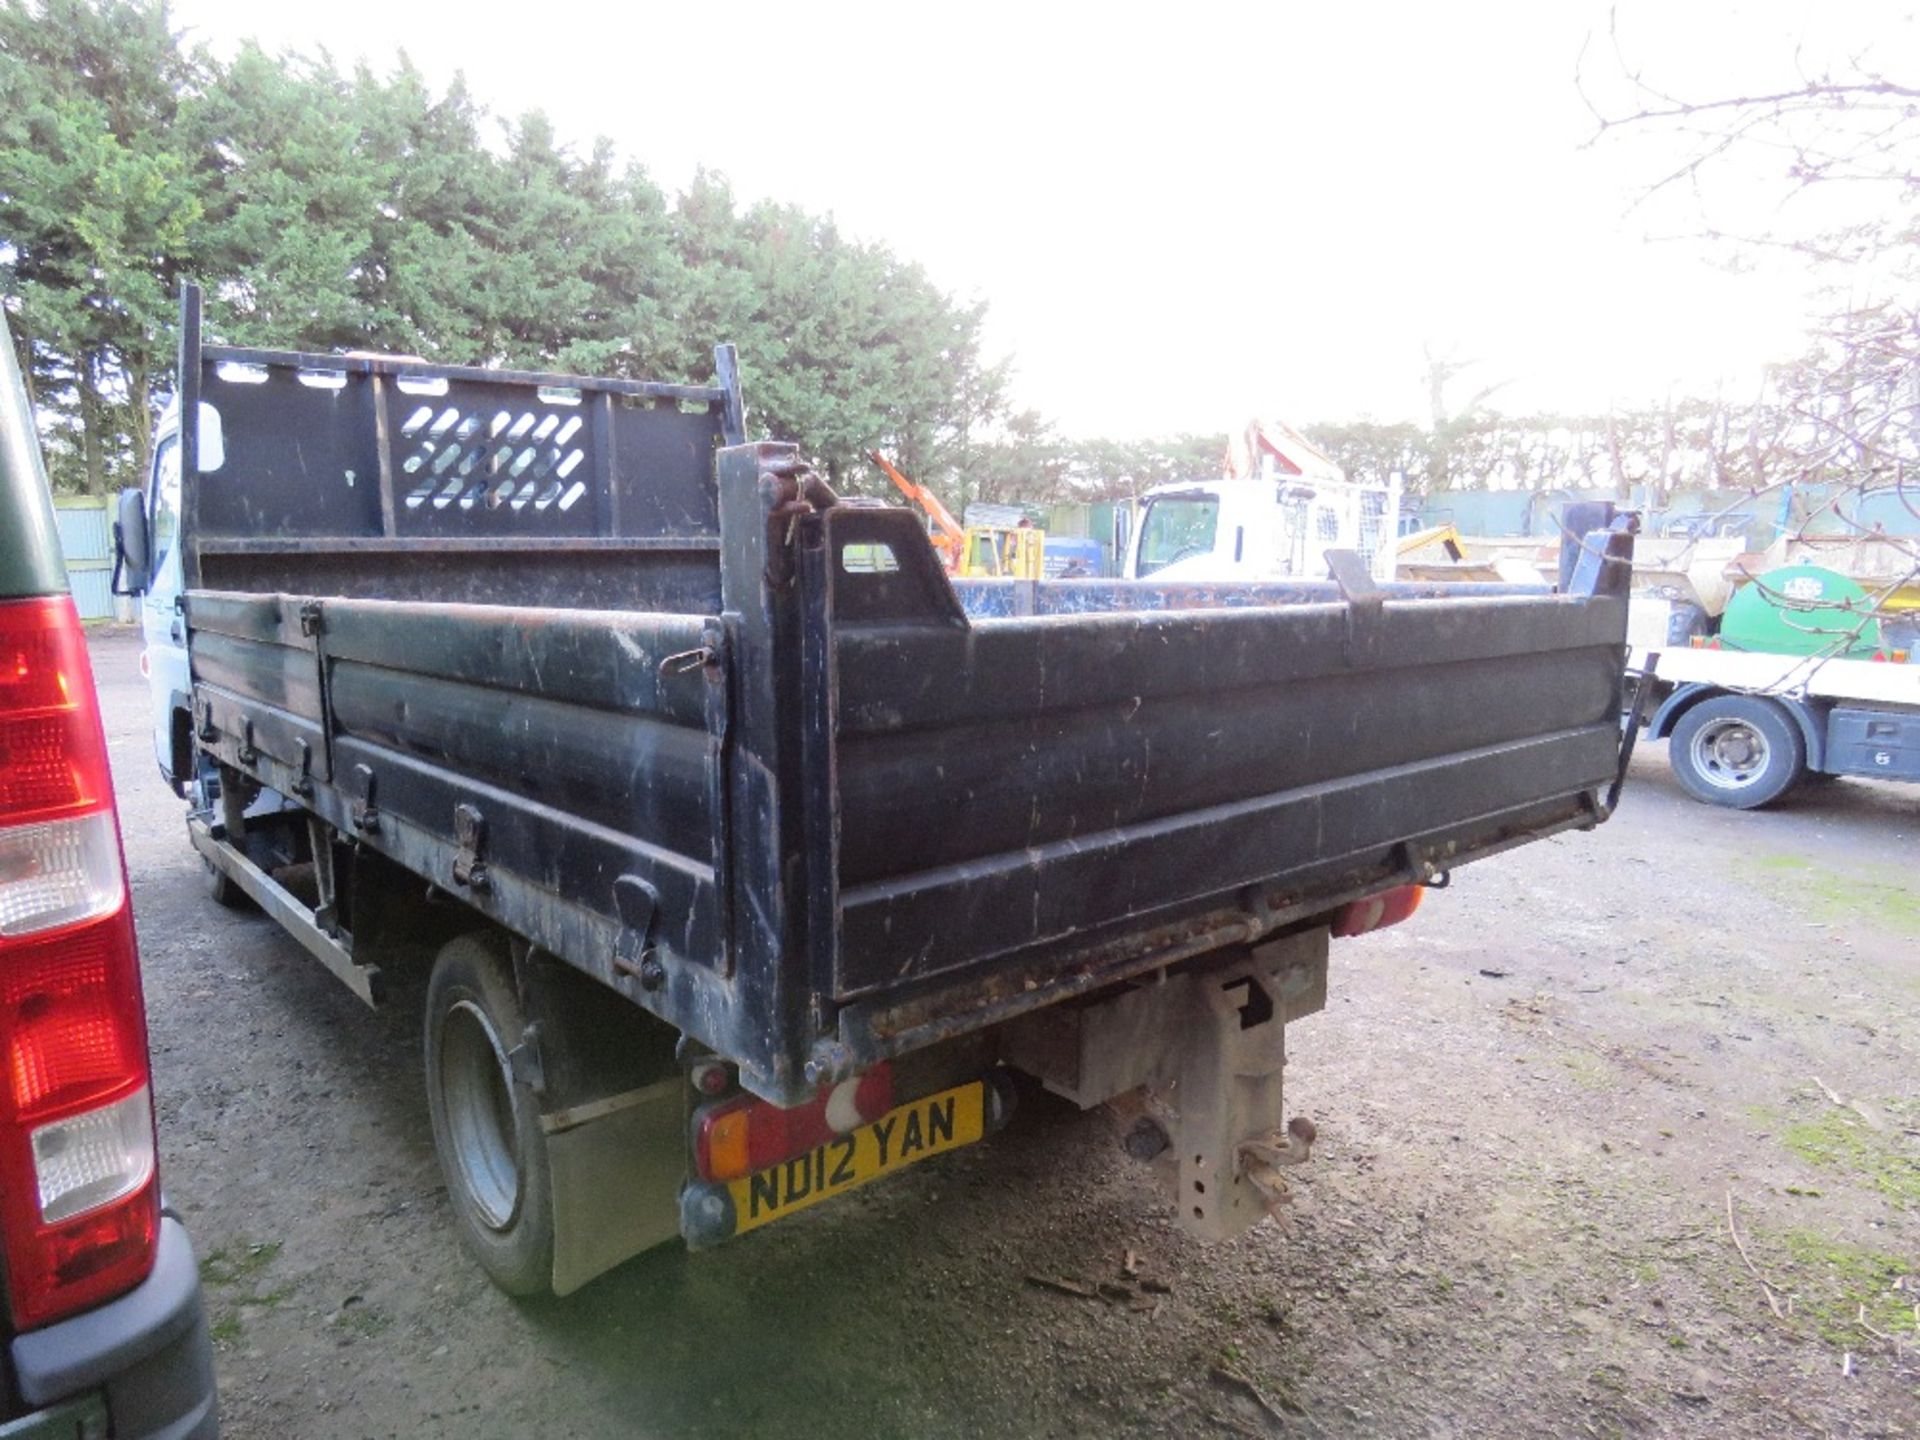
(486, 1127)
(1741, 751)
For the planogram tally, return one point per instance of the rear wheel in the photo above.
(486, 1127)
(1740, 751)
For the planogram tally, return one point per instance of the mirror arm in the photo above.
(119, 563)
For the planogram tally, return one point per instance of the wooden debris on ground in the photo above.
(1773, 1292)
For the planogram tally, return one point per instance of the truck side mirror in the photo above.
(132, 546)
(1122, 534)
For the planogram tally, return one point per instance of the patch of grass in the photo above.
(235, 1270)
(1608, 1377)
(238, 1265)
(1834, 1283)
(1842, 1140)
(1877, 893)
(364, 1321)
(1588, 1070)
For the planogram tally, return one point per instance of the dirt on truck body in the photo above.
(750, 850)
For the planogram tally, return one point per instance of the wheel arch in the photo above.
(1813, 731)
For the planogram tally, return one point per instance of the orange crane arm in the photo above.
(926, 500)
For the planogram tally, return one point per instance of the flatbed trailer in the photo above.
(748, 850)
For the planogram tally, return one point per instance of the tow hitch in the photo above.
(1198, 1056)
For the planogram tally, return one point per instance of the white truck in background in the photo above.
(1281, 506)
(1768, 675)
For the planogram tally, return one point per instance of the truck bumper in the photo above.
(146, 1355)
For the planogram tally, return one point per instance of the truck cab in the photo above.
(1281, 506)
(1260, 529)
(163, 626)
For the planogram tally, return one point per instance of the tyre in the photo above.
(1740, 751)
(222, 889)
(203, 794)
(486, 1128)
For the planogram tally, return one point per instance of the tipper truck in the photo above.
(749, 853)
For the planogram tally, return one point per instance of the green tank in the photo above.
(1801, 610)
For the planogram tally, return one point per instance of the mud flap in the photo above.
(616, 1165)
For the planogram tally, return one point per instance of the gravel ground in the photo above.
(1538, 1102)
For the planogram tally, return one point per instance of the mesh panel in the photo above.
(1373, 523)
(470, 455)
(513, 458)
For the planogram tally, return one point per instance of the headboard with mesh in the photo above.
(329, 467)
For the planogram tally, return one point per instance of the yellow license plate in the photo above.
(902, 1137)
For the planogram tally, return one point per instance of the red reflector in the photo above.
(53, 758)
(57, 1270)
(748, 1134)
(1376, 912)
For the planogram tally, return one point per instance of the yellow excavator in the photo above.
(1006, 552)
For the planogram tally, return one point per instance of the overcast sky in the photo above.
(1184, 215)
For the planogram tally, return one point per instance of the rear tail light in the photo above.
(748, 1134)
(79, 1199)
(1376, 912)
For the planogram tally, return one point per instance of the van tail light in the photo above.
(77, 1169)
(747, 1134)
(1376, 912)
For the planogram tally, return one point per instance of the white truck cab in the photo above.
(162, 616)
(1226, 530)
(1282, 505)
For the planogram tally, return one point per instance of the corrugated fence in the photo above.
(86, 538)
